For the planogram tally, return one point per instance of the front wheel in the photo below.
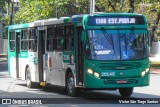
(126, 92)
(29, 83)
(71, 89)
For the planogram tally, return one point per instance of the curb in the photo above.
(3, 56)
(155, 71)
(3, 60)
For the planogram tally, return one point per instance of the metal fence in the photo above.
(3, 46)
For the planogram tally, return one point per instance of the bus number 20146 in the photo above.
(108, 74)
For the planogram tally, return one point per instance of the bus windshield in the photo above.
(117, 44)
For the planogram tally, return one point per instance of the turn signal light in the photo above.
(50, 62)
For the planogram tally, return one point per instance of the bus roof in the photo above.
(73, 19)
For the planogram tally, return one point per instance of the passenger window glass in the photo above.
(50, 38)
(33, 40)
(12, 41)
(24, 40)
(68, 39)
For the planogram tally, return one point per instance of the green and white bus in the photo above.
(96, 52)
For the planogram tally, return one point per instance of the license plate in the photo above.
(121, 82)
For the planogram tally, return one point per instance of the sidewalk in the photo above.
(3, 59)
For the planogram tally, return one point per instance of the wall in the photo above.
(3, 46)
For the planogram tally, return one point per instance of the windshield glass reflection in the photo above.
(115, 45)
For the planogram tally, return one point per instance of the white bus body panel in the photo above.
(13, 72)
(33, 64)
(22, 67)
(56, 72)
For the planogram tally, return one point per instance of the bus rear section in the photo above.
(17, 50)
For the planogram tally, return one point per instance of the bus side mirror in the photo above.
(83, 36)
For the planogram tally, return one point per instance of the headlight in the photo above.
(143, 73)
(147, 70)
(96, 74)
(90, 71)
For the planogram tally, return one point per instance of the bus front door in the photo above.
(18, 36)
(79, 57)
(41, 53)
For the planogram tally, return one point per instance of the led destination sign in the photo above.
(115, 20)
(102, 20)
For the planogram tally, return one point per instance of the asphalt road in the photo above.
(11, 88)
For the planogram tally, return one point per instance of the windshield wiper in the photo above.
(110, 40)
(106, 35)
(126, 44)
(125, 41)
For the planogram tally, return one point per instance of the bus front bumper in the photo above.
(98, 83)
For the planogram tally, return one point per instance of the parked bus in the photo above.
(96, 52)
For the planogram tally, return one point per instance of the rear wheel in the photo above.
(126, 92)
(29, 83)
(71, 89)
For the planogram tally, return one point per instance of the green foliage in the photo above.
(32, 10)
(3, 7)
(2, 3)
(5, 20)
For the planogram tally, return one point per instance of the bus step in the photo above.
(42, 83)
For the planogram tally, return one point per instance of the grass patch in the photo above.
(154, 64)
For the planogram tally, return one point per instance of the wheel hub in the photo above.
(71, 84)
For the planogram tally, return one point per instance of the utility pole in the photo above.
(8, 8)
(1, 24)
(92, 6)
(57, 9)
(11, 13)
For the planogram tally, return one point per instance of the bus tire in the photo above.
(71, 89)
(126, 92)
(29, 83)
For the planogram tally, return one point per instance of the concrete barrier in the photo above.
(155, 49)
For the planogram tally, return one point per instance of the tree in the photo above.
(155, 26)
(131, 5)
(2, 4)
(5, 5)
(2, 8)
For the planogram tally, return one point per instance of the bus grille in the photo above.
(119, 66)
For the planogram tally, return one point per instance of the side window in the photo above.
(58, 37)
(68, 38)
(24, 40)
(33, 40)
(12, 41)
(50, 38)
